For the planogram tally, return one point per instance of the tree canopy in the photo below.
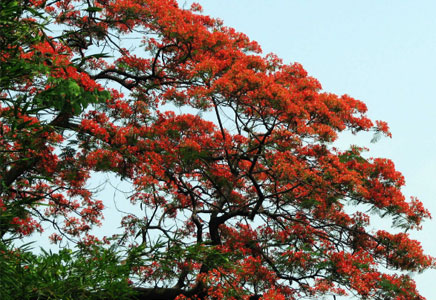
(240, 191)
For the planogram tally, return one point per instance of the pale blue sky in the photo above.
(381, 52)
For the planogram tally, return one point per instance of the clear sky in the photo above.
(381, 52)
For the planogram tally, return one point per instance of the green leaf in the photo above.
(93, 9)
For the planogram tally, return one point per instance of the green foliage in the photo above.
(68, 96)
(94, 273)
(14, 35)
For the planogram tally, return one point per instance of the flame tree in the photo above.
(243, 196)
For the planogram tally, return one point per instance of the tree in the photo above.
(243, 196)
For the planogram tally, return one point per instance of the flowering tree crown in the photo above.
(243, 196)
